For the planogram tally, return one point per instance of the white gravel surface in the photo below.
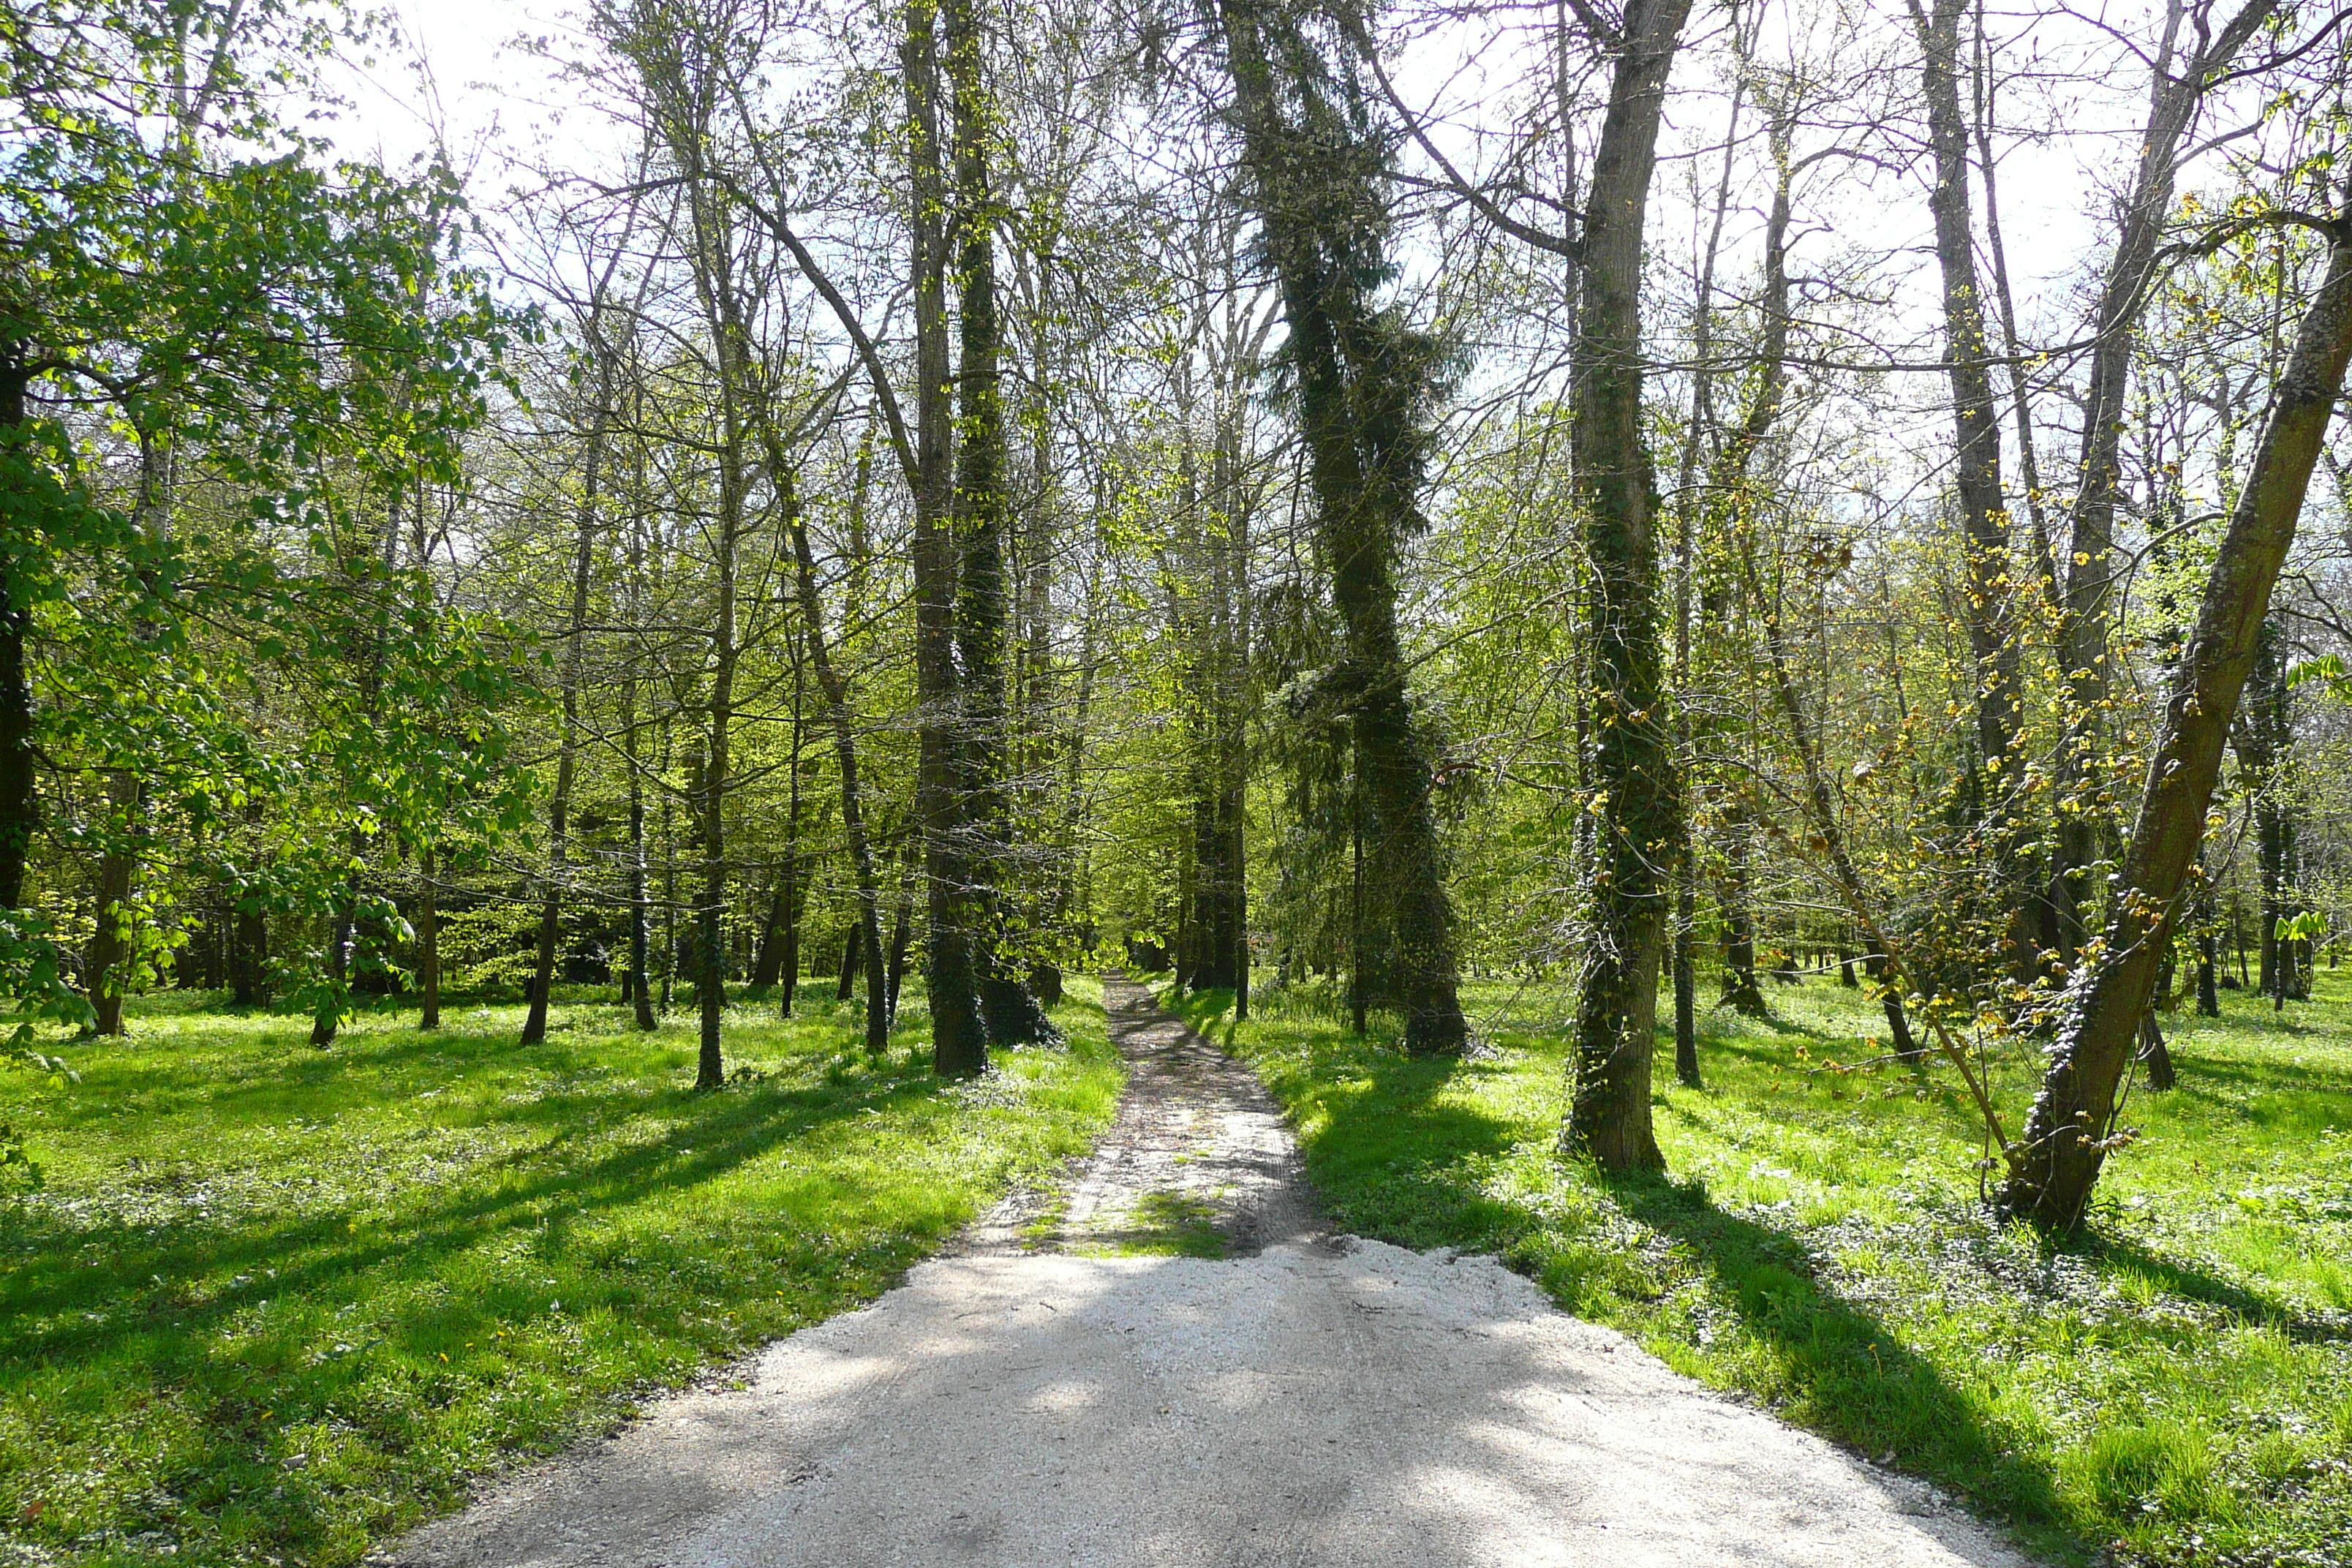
(1319, 1401)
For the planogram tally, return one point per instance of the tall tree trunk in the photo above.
(559, 803)
(1012, 1014)
(2056, 1165)
(1623, 923)
(20, 797)
(2261, 734)
(1687, 507)
(836, 693)
(2084, 637)
(1325, 217)
(1984, 513)
(959, 1033)
(780, 948)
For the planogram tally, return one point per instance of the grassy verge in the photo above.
(2177, 1388)
(274, 1304)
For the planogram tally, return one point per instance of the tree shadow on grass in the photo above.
(323, 1255)
(2177, 1277)
(1845, 1376)
(1399, 1159)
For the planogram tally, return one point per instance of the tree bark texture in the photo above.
(1361, 383)
(958, 1032)
(1985, 592)
(1632, 752)
(2072, 1126)
(982, 603)
(2084, 634)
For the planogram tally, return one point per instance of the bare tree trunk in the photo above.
(835, 692)
(2067, 1136)
(2091, 603)
(1984, 511)
(558, 803)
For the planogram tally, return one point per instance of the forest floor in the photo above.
(270, 1305)
(1165, 1360)
(2174, 1388)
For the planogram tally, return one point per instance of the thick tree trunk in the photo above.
(958, 1032)
(1352, 371)
(1632, 759)
(1012, 1014)
(2056, 1165)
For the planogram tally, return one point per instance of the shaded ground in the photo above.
(1199, 1163)
(1317, 1401)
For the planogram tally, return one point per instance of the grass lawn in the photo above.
(274, 1304)
(2176, 1388)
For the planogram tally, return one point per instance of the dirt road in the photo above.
(1087, 1383)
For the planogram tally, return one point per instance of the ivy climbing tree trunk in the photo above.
(1636, 816)
(958, 1032)
(1364, 385)
(1011, 1012)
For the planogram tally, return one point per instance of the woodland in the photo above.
(1719, 576)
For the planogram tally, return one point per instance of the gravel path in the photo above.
(1304, 1399)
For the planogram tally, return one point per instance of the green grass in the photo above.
(1163, 1224)
(273, 1304)
(2174, 1388)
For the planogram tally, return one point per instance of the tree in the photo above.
(2072, 1126)
(1636, 804)
(1364, 383)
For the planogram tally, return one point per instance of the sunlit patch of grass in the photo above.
(272, 1304)
(2175, 1387)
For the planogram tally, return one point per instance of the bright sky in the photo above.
(471, 88)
